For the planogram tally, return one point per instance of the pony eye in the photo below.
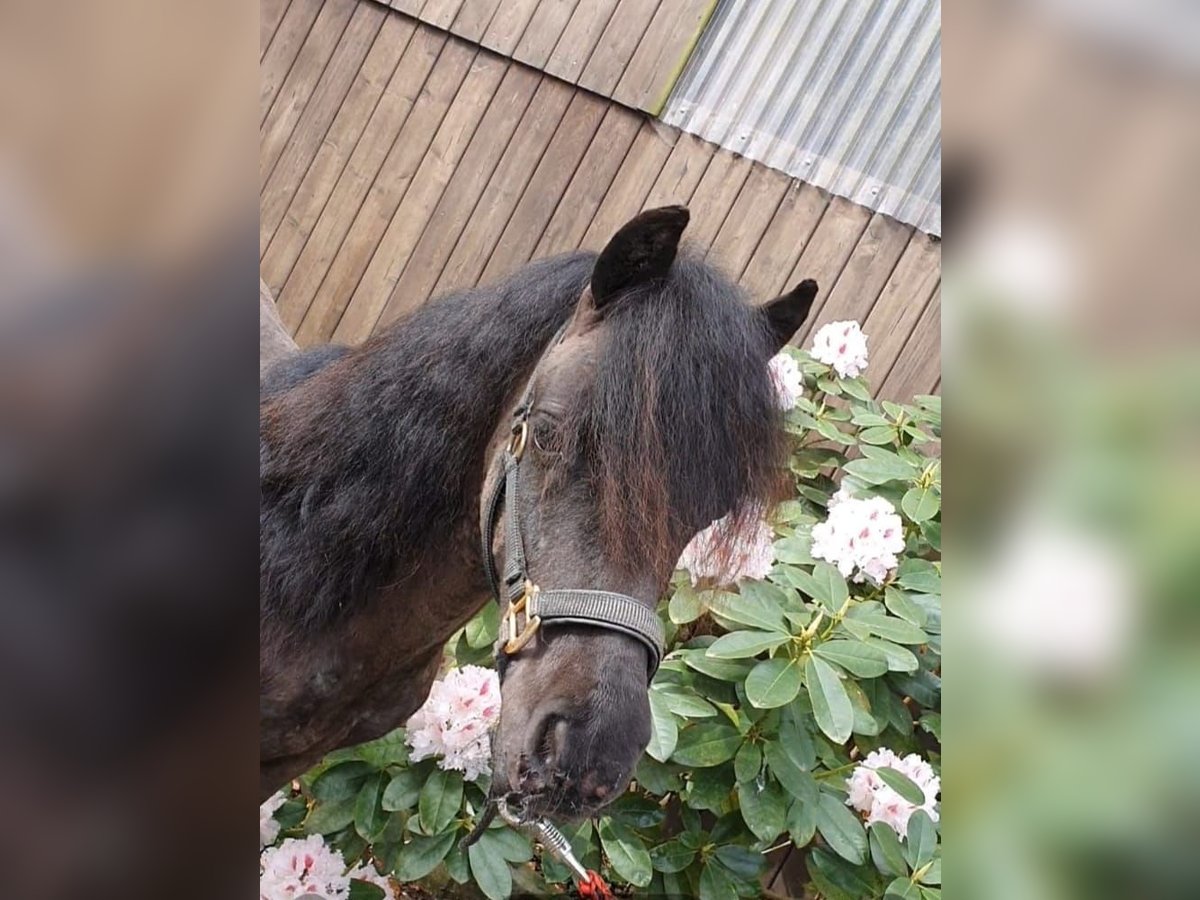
(545, 434)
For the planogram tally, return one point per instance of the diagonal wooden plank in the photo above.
(579, 39)
(864, 274)
(374, 185)
(466, 187)
(544, 29)
(473, 19)
(681, 173)
(506, 186)
(284, 48)
(901, 303)
(918, 368)
(270, 14)
(288, 221)
(617, 44)
(748, 219)
(799, 213)
(370, 299)
(283, 160)
(591, 181)
(659, 55)
(508, 25)
(550, 179)
(627, 194)
(716, 193)
(441, 13)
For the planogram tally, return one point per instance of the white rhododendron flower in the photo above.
(880, 803)
(861, 537)
(308, 867)
(268, 827)
(720, 552)
(787, 380)
(454, 721)
(843, 346)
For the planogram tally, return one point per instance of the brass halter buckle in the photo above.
(516, 444)
(515, 639)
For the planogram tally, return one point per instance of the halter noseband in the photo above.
(600, 609)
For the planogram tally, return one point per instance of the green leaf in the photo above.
(920, 504)
(745, 644)
(796, 549)
(837, 880)
(881, 467)
(892, 629)
(830, 703)
(795, 739)
(901, 784)
(741, 861)
(900, 604)
(628, 855)
(885, 850)
(795, 780)
(857, 388)
(664, 730)
(932, 722)
(773, 682)
(841, 829)
(802, 821)
(482, 630)
(721, 669)
(369, 819)
(684, 703)
(855, 657)
(764, 808)
(341, 781)
(902, 889)
(898, 658)
(328, 817)
(685, 605)
(748, 762)
(672, 856)
(440, 800)
(919, 576)
(512, 845)
(759, 605)
(878, 435)
(921, 840)
(707, 744)
(403, 791)
(715, 884)
(825, 585)
(932, 872)
(489, 870)
(656, 777)
(421, 855)
(711, 789)
(365, 890)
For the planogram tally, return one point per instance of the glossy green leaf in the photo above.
(886, 852)
(673, 856)
(881, 469)
(489, 870)
(748, 762)
(686, 605)
(773, 682)
(830, 703)
(855, 657)
(402, 791)
(764, 808)
(825, 585)
(341, 781)
(707, 744)
(421, 855)
(664, 731)
(902, 605)
(920, 504)
(721, 669)
(795, 780)
(628, 855)
(369, 818)
(901, 784)
(510, 844)
(902, 889)
(899, 659)
(745, 644)
(802, 822)
(892, 629)
(758, 604)
(838, 880)
(841, 829)
(327, 817)
(482, 630)
(364, 890)
(921, 840)
(715, 884)
(440, 799)
(684, 703)
(920, 576)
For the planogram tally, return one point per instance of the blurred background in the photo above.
(1073, 449)
(128, 388)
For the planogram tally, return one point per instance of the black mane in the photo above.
(376, 457)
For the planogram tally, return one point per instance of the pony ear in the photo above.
(642, 250)
(785, 314)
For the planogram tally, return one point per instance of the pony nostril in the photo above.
(551, 739)
(592, 787)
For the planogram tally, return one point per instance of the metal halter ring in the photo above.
(516, 444)
(516, 640)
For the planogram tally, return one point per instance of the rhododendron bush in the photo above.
(799, 704)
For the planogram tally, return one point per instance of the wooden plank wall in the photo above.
(399, 161)
(629, 50)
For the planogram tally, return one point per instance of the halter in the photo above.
(539, 608)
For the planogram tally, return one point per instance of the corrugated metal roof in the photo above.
(844, 94)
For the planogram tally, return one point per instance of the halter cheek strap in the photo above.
(529, 607)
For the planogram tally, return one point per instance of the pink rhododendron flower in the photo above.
(454, 722)
(843, 346)
(868, 794)
(722, 553)
(308, 867)
(786, 377)
(860, 537)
